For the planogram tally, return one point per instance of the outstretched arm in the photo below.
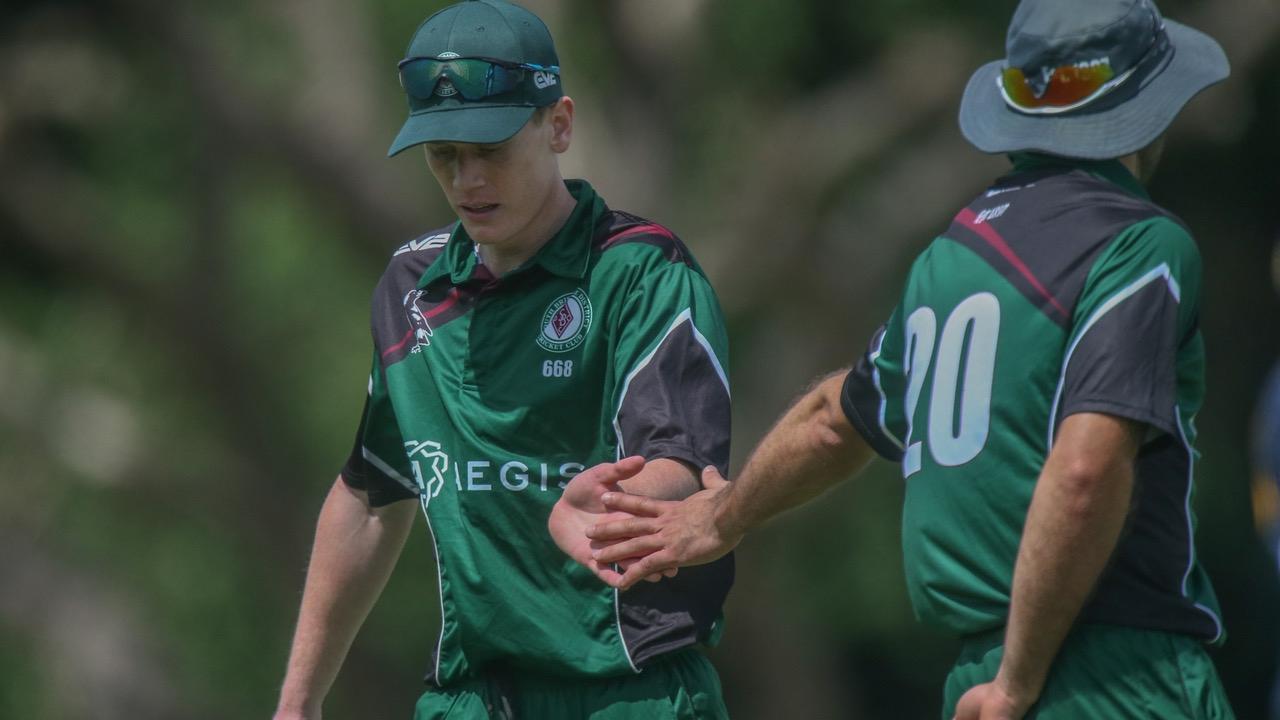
(811, 448)
(355, 549)
(1077, 513)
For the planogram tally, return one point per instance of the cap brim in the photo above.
(992, 126)
(467, 124)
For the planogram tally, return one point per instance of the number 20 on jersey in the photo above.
(958, 416)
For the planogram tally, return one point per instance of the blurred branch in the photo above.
(803, 149)
(346, 167)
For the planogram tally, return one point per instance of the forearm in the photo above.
(810, 449)
(664, 479)
(354, 552)
(1074, 523)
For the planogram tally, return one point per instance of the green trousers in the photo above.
(680, 686)
(1107, 673)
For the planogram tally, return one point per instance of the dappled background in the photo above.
(195, 206)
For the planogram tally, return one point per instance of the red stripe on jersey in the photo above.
(967, 218)
(400, 345)
(447, 303)
(640, 230)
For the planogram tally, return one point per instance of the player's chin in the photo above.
(484, 230)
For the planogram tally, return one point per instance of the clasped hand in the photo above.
(624, 538)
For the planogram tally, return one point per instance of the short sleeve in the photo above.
(1135, 323)
(378, 464)
(873, 380)
(671, 351)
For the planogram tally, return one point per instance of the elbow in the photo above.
(1088, 483)
(826, 439)
(829, 428)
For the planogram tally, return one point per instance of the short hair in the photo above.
(540, 115)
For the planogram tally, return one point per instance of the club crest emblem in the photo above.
(566, 322)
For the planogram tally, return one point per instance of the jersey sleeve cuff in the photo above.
(685, 454)
(875, 437)
(1164, 422)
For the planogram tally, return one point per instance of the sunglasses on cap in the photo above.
(472, 78)
(1069, 87)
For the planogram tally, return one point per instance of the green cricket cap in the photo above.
(490, 29)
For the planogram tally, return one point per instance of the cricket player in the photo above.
(1038, 383)
(540, 335)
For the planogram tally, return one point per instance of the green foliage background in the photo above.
(195, 206)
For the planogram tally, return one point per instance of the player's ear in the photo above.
(561, 120)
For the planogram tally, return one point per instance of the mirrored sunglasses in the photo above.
(472, 78)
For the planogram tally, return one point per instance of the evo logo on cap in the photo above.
(543, 80)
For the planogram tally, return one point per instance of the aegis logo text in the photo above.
(432, 468)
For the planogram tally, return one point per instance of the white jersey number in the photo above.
(964, 372)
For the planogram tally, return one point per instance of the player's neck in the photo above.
(505, 256)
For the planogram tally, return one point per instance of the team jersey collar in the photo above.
(1110, 170)
(566, 254)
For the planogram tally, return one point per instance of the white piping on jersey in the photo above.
(423, 497)
(387, 469)
(685, 315)
(884, 400)
(1191, 542)
(622, 639)
(435, 548)
(1160, 271)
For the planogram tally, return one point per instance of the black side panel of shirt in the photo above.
(1142, 585)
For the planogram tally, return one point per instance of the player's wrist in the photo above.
(728, 520)
(297, 705)
(1017, 694)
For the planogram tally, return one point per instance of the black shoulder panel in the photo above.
(617, 228)
(396, 316)
(1043, 230)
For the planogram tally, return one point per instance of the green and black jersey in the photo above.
(488, 394)
(1061, 289)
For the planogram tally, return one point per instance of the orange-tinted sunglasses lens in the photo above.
(1068, 85)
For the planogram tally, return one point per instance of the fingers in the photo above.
(615, 472)
(712, 479)
(635, 504)
(606, 573)
(622, 529)
(655, 564)
(655, 577)
(635, 547)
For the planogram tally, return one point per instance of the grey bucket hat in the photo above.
(1158, 65)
